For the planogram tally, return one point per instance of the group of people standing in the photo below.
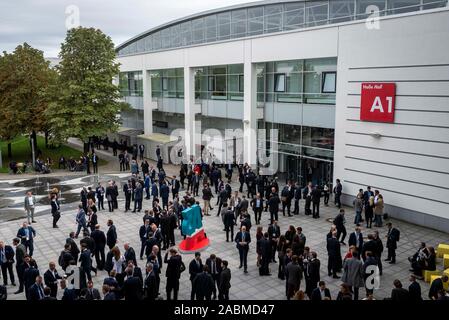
(296, 262)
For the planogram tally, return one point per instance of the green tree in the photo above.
(87, 101)
(25, 77)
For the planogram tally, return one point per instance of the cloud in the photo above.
(42, 23)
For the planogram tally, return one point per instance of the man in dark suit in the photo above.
(138, 197)
(316, 197)
(165, 226)
(47, 295)
(321, 293)
(165, 194)
(108, 294)
(229, 222)
(265, 250)
(356, 239)
(137, 272)
(150, 284)
(6, 262)
(243, 239)
(312, 272)
(30, 274)
(65, 257)
(110, 196)
(437, 286)
(214, 266)
(92, 293)
(195, 267)
(143, 234)
(224, 283)
(99, 191)
(274, 232)
(339, 223)
(398, 293)
(175, 186)
(257, 205)
(100, 242)
(297, 197)
(203, 285)
(36, 291)
(392, 243)
(95, 161)
(27, 234)
(51, 278)
(68, 294)
(175, 267)
(74, 250)
(88, 242)
(222, 199)
(127, 191)
(85, 265)
(414, 289)
(293, 275)
(20, 256)
(273, 205)
(111, 235)
(132, 287)
(334, 254)
(130, 254)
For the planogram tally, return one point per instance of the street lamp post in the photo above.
(33, 151)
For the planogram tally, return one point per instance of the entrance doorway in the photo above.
(304, 170)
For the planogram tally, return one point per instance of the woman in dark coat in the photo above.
(281, 249)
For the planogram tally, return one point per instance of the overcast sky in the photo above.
(42, 23)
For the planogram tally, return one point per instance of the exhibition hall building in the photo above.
(356, 90)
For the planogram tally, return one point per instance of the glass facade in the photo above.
(132, 119)
(219, 82)
(304, 153)
(131, 84)
(297, 81)
(254, 20)
(131, 88)
(167, 83)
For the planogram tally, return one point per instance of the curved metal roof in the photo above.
(336, 11)
(202, 14)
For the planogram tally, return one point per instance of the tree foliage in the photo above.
(86, 100)
(25, 78)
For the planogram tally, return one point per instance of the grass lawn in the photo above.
(21, 152)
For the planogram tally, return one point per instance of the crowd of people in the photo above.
(298, 263)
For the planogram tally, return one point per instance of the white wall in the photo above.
(409, 164)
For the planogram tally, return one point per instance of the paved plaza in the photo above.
(49, 242)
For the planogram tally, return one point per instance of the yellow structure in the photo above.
(446, 261)
(427, 274)
(442, 250)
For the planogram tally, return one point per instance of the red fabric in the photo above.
(197, 242)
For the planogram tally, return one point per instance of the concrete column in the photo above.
(249, 109)
(147, 103)
(189, 111)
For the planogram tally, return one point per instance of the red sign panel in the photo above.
(377, 102)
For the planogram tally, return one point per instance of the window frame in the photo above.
(323, 78)
(211, 88)
(241, 83)
(164, 83)
(275, 82)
